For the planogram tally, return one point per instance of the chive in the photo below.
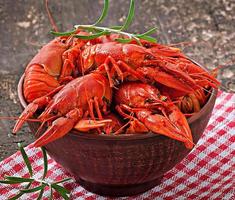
(104, 12)
(26, 159)
(45, 162)
(130, 16)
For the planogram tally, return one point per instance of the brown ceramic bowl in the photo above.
(121, 165)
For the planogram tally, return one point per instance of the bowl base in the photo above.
(119, 190)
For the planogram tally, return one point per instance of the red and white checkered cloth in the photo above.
(208, 172)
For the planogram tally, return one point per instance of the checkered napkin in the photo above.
(208, 172)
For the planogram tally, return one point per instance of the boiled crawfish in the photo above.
(152, 112)
(138, 62)
(55, 64)
(81, 98)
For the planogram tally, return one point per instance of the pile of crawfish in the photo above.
(101, 86)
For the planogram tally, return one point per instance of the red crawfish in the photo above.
(149, 111)
(56, 63)
(136, 61)
(81, 98)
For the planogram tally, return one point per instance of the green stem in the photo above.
(118, 31)
(42, 181)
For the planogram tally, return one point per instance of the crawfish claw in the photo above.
(59, 128)
(87, 124)
(29, 111)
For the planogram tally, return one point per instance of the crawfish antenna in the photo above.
(16, 118)
(52, 21)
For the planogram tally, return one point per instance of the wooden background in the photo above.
(208, 25)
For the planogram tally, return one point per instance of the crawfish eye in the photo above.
(149, 57)
(116, 82)
(105, 100)
(54, 112)
(147, 45)
(63, 40)
(149, 100)
(156, 112)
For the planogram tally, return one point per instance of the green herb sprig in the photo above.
(97, 31)
(54, 186)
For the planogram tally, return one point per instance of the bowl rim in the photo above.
(123, 136)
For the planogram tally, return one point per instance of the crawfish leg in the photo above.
(91, 108)
(97, 108)
(110, 66)
(69, 57)
(120, 67)
(91, 105)
(114, 68)
(105, 67)
(86, 125)
(122, 113)
(135, 125)
(131, 71)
